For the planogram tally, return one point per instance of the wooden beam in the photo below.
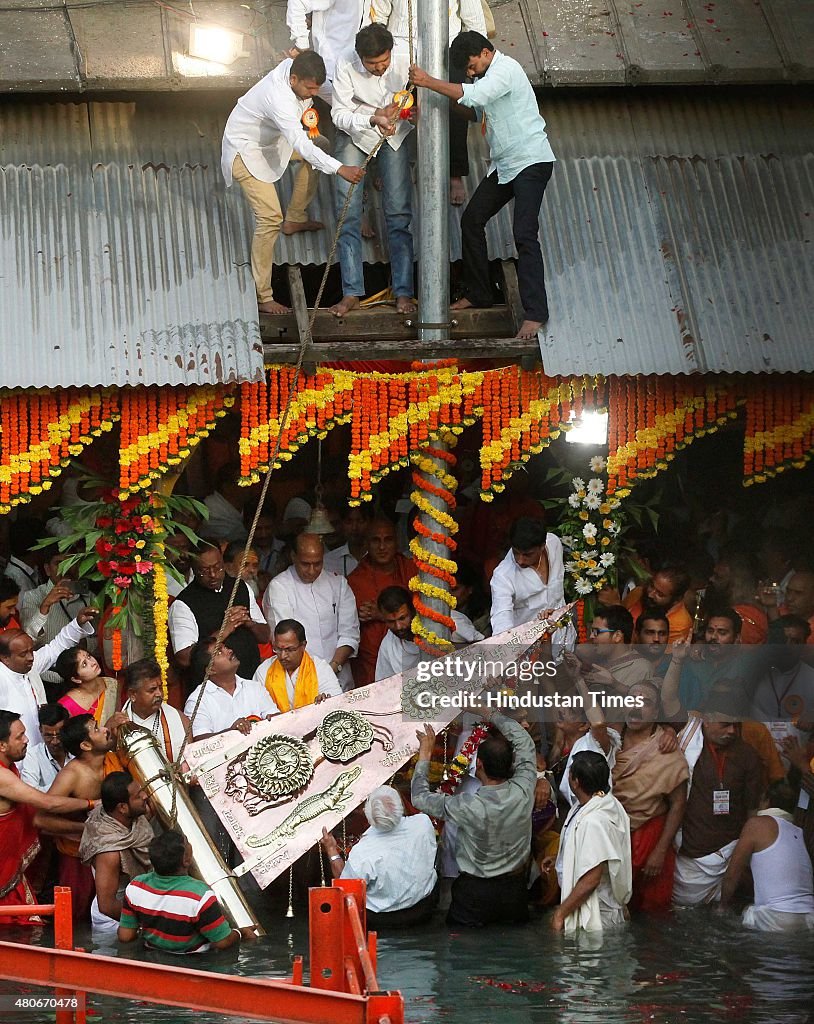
(511, 290)
(383, 324)
(503, 349)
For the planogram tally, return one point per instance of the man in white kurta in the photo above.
(322, 601)
(21, 688)
(530, 580)
(594, 863)
(262, 133)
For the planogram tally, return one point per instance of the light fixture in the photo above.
(215, 44)
(591, 428)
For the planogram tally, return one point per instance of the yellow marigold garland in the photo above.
(160, 618)
(425, 462)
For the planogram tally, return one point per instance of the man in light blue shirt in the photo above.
(520, 167)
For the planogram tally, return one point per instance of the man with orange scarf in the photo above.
(652, 788)
(18, 804)
(293, 677)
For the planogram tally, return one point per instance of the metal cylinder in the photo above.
(433, 244)
(149, 766)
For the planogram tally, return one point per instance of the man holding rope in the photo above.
(263, 132)
(520, 168)
(364, 110)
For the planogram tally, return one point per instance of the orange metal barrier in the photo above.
(343, 987)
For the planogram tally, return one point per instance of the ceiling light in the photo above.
(210, 42)
(590, 428)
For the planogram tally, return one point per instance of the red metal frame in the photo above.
(343, 987)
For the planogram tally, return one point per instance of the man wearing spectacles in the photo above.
(294, 678)
(613, 663)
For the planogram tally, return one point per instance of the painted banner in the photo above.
(276, 788)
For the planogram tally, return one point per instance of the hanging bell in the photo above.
(290, 911)
(319, 522)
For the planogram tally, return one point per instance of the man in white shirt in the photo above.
(398, 651)
(365, 84)
(396, 860)
(228, 701)
(262, 133)
(21, 688)
(322, 601)
(294, 677)
(23, 565)
(334, 24)
(48, 608)
(464, 16)
(353, 526)
(225, 507)
(530, 579)
(44, 761)
(520, 167)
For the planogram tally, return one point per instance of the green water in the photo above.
(693, 966)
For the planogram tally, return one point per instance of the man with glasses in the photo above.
(614, 664)
(293, 677)
(199, 609)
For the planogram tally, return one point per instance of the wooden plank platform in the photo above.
(504, 349)
(385, 325)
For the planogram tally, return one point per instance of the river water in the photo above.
(693, 966)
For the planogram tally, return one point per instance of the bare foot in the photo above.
(462, 304)
(528, 329)
(291, 227)
(405, 304)
(457, 194)
(272, 307)
(367, 229)
(348, 303)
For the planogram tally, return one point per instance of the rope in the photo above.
(304, 341)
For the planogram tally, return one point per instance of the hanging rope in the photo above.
(304, 342)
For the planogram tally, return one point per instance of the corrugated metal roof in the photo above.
(677, 234)
(117, 262)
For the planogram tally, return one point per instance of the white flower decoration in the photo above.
(613, 529)
(595, 486)
(572, 567)
(583, 586)
(593, 501)
(574, 500)
(578, 483)
(598, 464)
(588, 530)
(607, 559)
(568, 541)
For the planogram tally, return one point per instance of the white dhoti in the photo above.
(698, 879)
(767, 919)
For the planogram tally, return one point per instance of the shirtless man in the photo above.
(88, 743)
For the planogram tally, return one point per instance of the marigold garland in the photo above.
(160, 615)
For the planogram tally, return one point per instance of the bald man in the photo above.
(322, 601)
(383, 566)
(21, 687)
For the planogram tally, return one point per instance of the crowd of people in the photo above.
(343, 97)
(691, 786)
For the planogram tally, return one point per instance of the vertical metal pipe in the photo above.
(433, 234)
(433, 172)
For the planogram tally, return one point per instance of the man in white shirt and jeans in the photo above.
(365, 84)
(262, 133)
(520, 167)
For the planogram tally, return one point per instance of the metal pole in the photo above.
(433, 235)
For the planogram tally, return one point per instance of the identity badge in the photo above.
(720, 801)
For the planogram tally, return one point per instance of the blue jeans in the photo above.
(397, 188)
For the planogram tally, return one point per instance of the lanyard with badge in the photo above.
(720, 796)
